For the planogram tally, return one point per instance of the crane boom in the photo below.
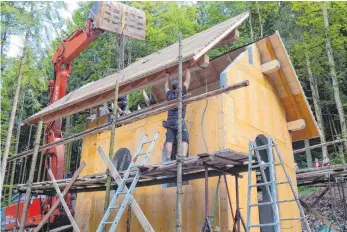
(113, 17)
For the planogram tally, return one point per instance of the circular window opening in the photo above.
(121, 159)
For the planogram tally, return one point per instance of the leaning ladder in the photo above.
(122, 189)
(270, 185)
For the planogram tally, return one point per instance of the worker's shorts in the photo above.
(171, 133)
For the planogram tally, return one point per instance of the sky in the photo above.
(16, 42)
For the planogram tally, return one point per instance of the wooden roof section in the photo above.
(142, 73)
(288, 87)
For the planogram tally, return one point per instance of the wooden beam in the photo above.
(320, 217)
(230, 39)
(202, 63)
(137, 115)
(216, 40)
(319, 145)
(62, 228)
(62, 200)
(145, 97)
(296, 125)
(96, 182)
(270, 67)
(320, 196)
(132, 202)
(31, 176)
(284, 82)
(146, 112)
(108, 95)
(56, 203)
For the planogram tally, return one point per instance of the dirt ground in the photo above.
(332, 205)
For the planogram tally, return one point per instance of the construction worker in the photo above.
(172, 115)
(122, 103)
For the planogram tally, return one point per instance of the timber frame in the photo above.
(203, 165)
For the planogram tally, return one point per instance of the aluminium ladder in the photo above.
(122, 189)
(270, 185)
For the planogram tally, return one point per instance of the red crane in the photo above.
(114, 17)
(62, 60)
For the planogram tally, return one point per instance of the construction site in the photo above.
(236, 171)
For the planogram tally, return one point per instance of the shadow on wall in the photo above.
(265, 211)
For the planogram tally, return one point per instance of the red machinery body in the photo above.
(14, 211)
(62, 59)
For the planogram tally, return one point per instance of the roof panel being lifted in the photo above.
(141, 73)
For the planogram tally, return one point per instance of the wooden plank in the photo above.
(319, 145)
(149, 173)
(163, 178)
(61, 197)
(320, 196)
(56, 203)
(62, 228)
(218, 39)
(296, 125)
(270, 67)
(134, 206)
(320, 217)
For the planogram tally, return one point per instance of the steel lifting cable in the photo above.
(203, 114)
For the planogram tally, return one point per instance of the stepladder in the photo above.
(267, 160)
(123, 195)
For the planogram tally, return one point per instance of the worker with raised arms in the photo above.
(172, 115)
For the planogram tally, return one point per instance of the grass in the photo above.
(304, 190)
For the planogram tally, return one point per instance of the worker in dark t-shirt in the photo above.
(172, 116)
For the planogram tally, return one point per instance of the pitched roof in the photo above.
(142, 72)
(288, 87)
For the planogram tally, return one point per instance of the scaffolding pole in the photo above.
(135, 116)
(31, 176)
(179, 140)
(56, 203)
(112, 138)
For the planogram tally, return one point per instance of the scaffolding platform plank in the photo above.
(229, 161)
(320, 175)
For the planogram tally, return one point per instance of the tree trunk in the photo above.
(13, 111)
(260, 23)
(250, 22)
(68, 147)
(179, 154)
(4, 37)
(334, 76)
(308, 154)
(19, 122)
(317, 109)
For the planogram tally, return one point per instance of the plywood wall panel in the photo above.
(230, 120)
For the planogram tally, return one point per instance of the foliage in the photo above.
(299, 23)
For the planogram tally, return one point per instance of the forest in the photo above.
(314, 33)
